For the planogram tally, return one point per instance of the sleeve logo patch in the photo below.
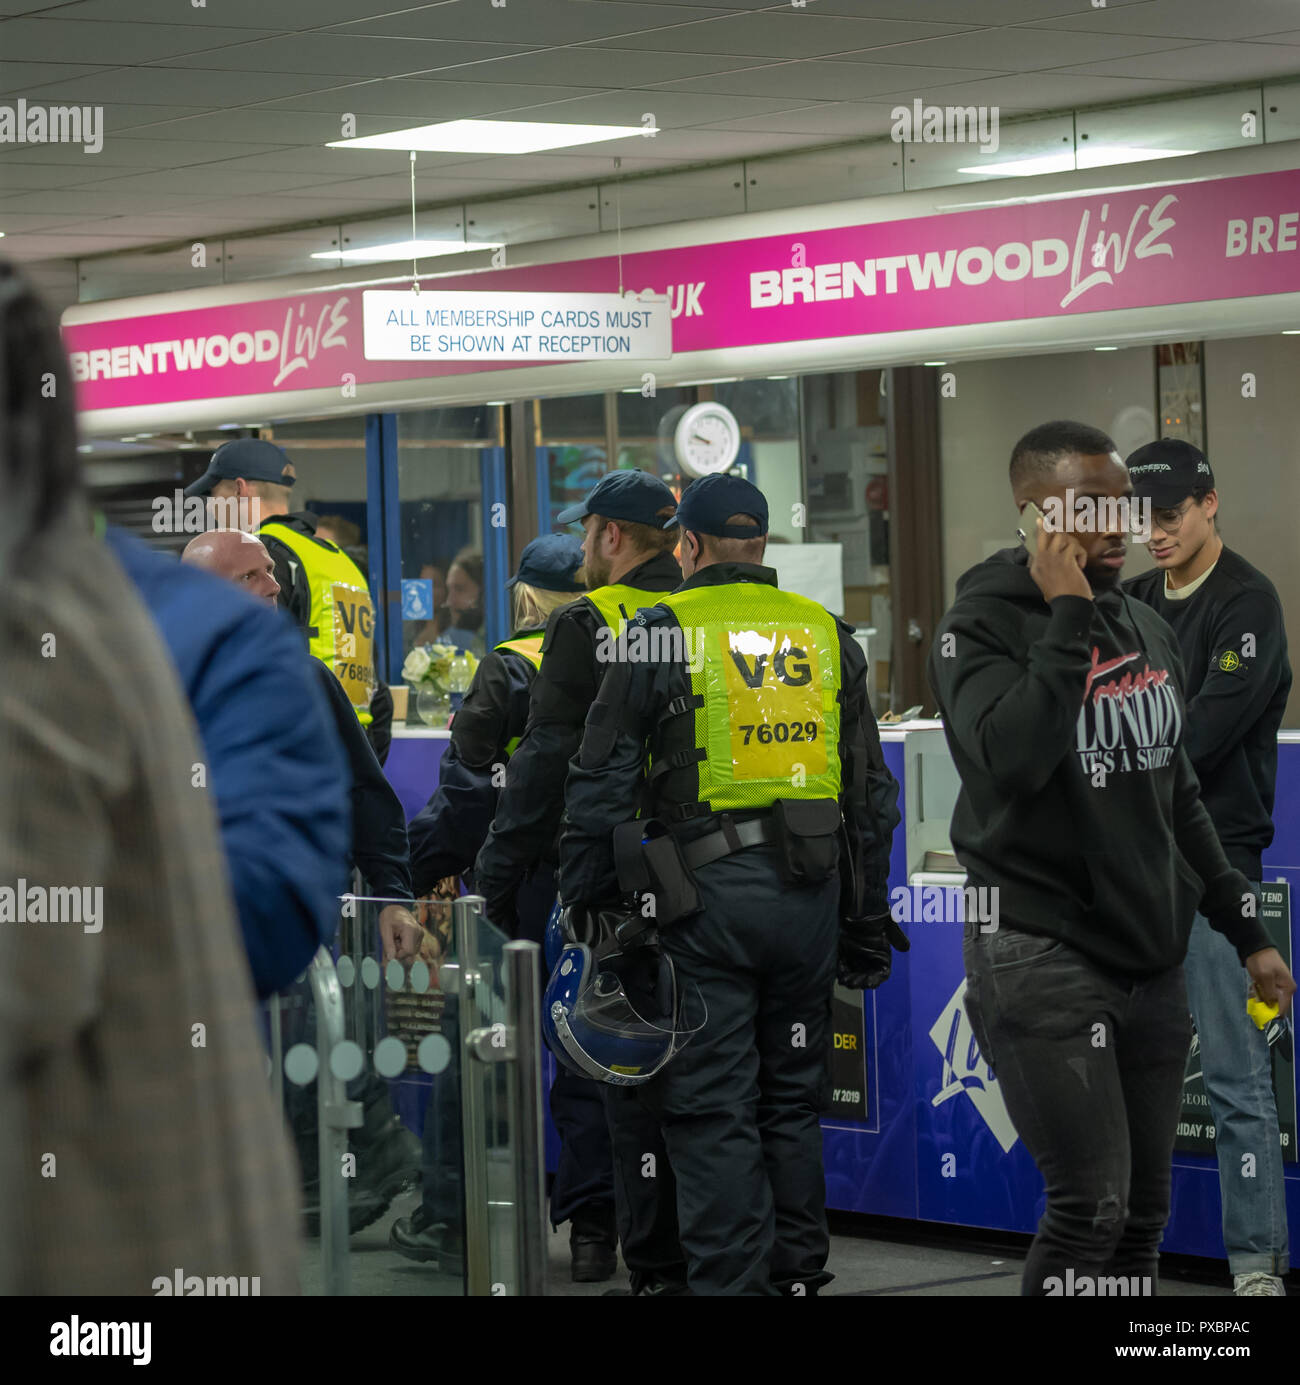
(1229, 662)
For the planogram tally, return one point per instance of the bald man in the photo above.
(388, 1156)
(379, 846)
(239, 558)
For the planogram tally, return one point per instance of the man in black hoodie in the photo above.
(1063, 709)
(1228, 620)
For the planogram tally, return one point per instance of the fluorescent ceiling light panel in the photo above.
(1094, 156)
(491, 137)
(407, 250)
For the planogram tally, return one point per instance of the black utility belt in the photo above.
(652, 860)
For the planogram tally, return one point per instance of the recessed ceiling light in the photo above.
(491, 137)
(1291, 332)
(934, 362)
(1105, 348)
(407, 250)
(497, 403)
(778, 377)
(1087, 156)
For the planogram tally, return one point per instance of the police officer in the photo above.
(445, 836)
(320, 586)
(628, 540)
(769, 813)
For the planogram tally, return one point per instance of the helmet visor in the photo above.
(626, 1025)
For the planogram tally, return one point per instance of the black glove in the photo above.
(865, 954)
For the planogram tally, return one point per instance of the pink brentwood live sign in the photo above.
(1181, 243)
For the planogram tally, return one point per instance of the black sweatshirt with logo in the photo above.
(1233, 641)
(1078, 801)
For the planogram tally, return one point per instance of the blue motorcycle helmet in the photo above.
(612, 1009)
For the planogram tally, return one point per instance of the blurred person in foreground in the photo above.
(387, 1154)
(138, 1134)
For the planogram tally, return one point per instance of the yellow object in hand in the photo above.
(1260, 1012)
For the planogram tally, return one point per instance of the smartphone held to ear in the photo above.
(1028, 530)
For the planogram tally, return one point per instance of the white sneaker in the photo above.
(1257, 1285)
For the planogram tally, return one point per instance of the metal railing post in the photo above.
(335, 1115)
(523, 988)
(478, 1251)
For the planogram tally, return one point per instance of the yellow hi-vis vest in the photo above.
(530, 647)
(765, 680)
(618, 604)
(342, 617)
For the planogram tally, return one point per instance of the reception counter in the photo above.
(918, 1128)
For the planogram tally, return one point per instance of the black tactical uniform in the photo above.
(740, 1104)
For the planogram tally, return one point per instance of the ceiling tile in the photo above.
(82, 202)
(16, 176)
(15, 223)
(671, 109)
(337, 55)
(554, 22)
(73, 243)
(423, 100)
(88, 41)
(960, 11)
(838, 119)
(26, 78)
(829, 81)
(1044, 91)
(334, 164)
(178, 86)
(602, 67)
(1210, 19)
(121, 155)
(242, 14)
(1210, 62)
(1022, 49)
(256, 125)
(211, 179)
(790, 34)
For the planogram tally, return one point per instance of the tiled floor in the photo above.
(869, 1261)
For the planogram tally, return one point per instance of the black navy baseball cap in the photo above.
(252, 458)
(551, 564)
(1168, 471)
(633, 496)
(707, 505)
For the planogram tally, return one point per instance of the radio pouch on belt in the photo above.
(806, 833)
(650, 862)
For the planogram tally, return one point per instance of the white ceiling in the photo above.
(216, 116)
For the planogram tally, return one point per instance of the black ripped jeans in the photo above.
(1091, 1065)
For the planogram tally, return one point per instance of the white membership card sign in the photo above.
(433, 326)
